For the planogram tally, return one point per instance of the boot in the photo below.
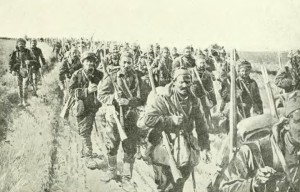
(111, 173)
(127, 184)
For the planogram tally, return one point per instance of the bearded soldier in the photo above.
(121, 90)
(186, 60)
(176, 111)
(248, 91)
(162, 68)
(288, 78)
(20, 65)
(271, 163)
(83, 87)
(38, 56)
(70, 64)
(204, 89)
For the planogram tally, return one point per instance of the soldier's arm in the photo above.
(63, 71)
(282, 79)
(209, 86)
(201, 128)
(156, 115)
(106, 91)
(258, 104)
(236, 176)
(12, 61)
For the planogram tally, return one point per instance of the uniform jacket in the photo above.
(107, 92)
(38, 54)
(18, 57)
(79, 80)
(68, 67)
(161, 108)
(285, 77)
(162, 69)
(242, 169)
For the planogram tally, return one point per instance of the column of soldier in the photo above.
(162, 102)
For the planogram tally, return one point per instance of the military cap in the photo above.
(188, 47)
(244, 63)
(292, 103)
(21, 40)
(88, 54)
(181, 71)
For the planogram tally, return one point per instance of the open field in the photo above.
(40, 152)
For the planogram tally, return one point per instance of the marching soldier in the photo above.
(121, 90)
(204, 89)
(288, 78)
(162, 68)
(157, 50)
(83, 88)
(37, 68)
(174, 53)
(186, 60)
(70, 64)
(111, 62)
(248, 91)
(20, 65)
(272, 162)
(176, 112)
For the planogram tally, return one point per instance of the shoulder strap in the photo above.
(257, 155)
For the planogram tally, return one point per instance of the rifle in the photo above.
(174, 170)
(121, 131)
(65, 111)
(233, 114)
(269, 91)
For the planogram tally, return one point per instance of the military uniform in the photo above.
(162, 68)
(128, 86)
(38, 55)
(158, 115)
(17, 64)
(288, 79)
(79, 83)
(111, 61)
(67, 68)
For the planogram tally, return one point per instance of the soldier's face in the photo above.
(21, 45)
(126, 63)
(89, 64)
(174, 50)
(201, 64)
(244, 72)
(75, 53)
(165, 53)
(33, 44)
(295, 126)
(182, 84)
(187, 52)
(115, 52)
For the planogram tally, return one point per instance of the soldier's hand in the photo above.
(92, 88)
(262, 176)
(177, 120)
(27, 62)
(123, 101)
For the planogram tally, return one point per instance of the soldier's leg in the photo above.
(20, 87)
(112, 138)
(186, 172)
(34, 82)
(85, 127)
(25, 90)
(163, 178)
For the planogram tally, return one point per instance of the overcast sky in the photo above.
(245, 25)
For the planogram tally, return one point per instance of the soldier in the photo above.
(70, 64)
(186, 60)
(204, 89)
(162, 68)
(272, 162)
(136, 53)
(174, 53)
(111, 61)
(20, 65)
(248, 91)
(157, 50)
(288, 78)
(121, 89)
(57, 52)
(176, 111)
(83, 87)
(38, 56)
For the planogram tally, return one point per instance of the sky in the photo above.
(252, 25)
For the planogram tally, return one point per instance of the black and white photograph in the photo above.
(149, 96)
